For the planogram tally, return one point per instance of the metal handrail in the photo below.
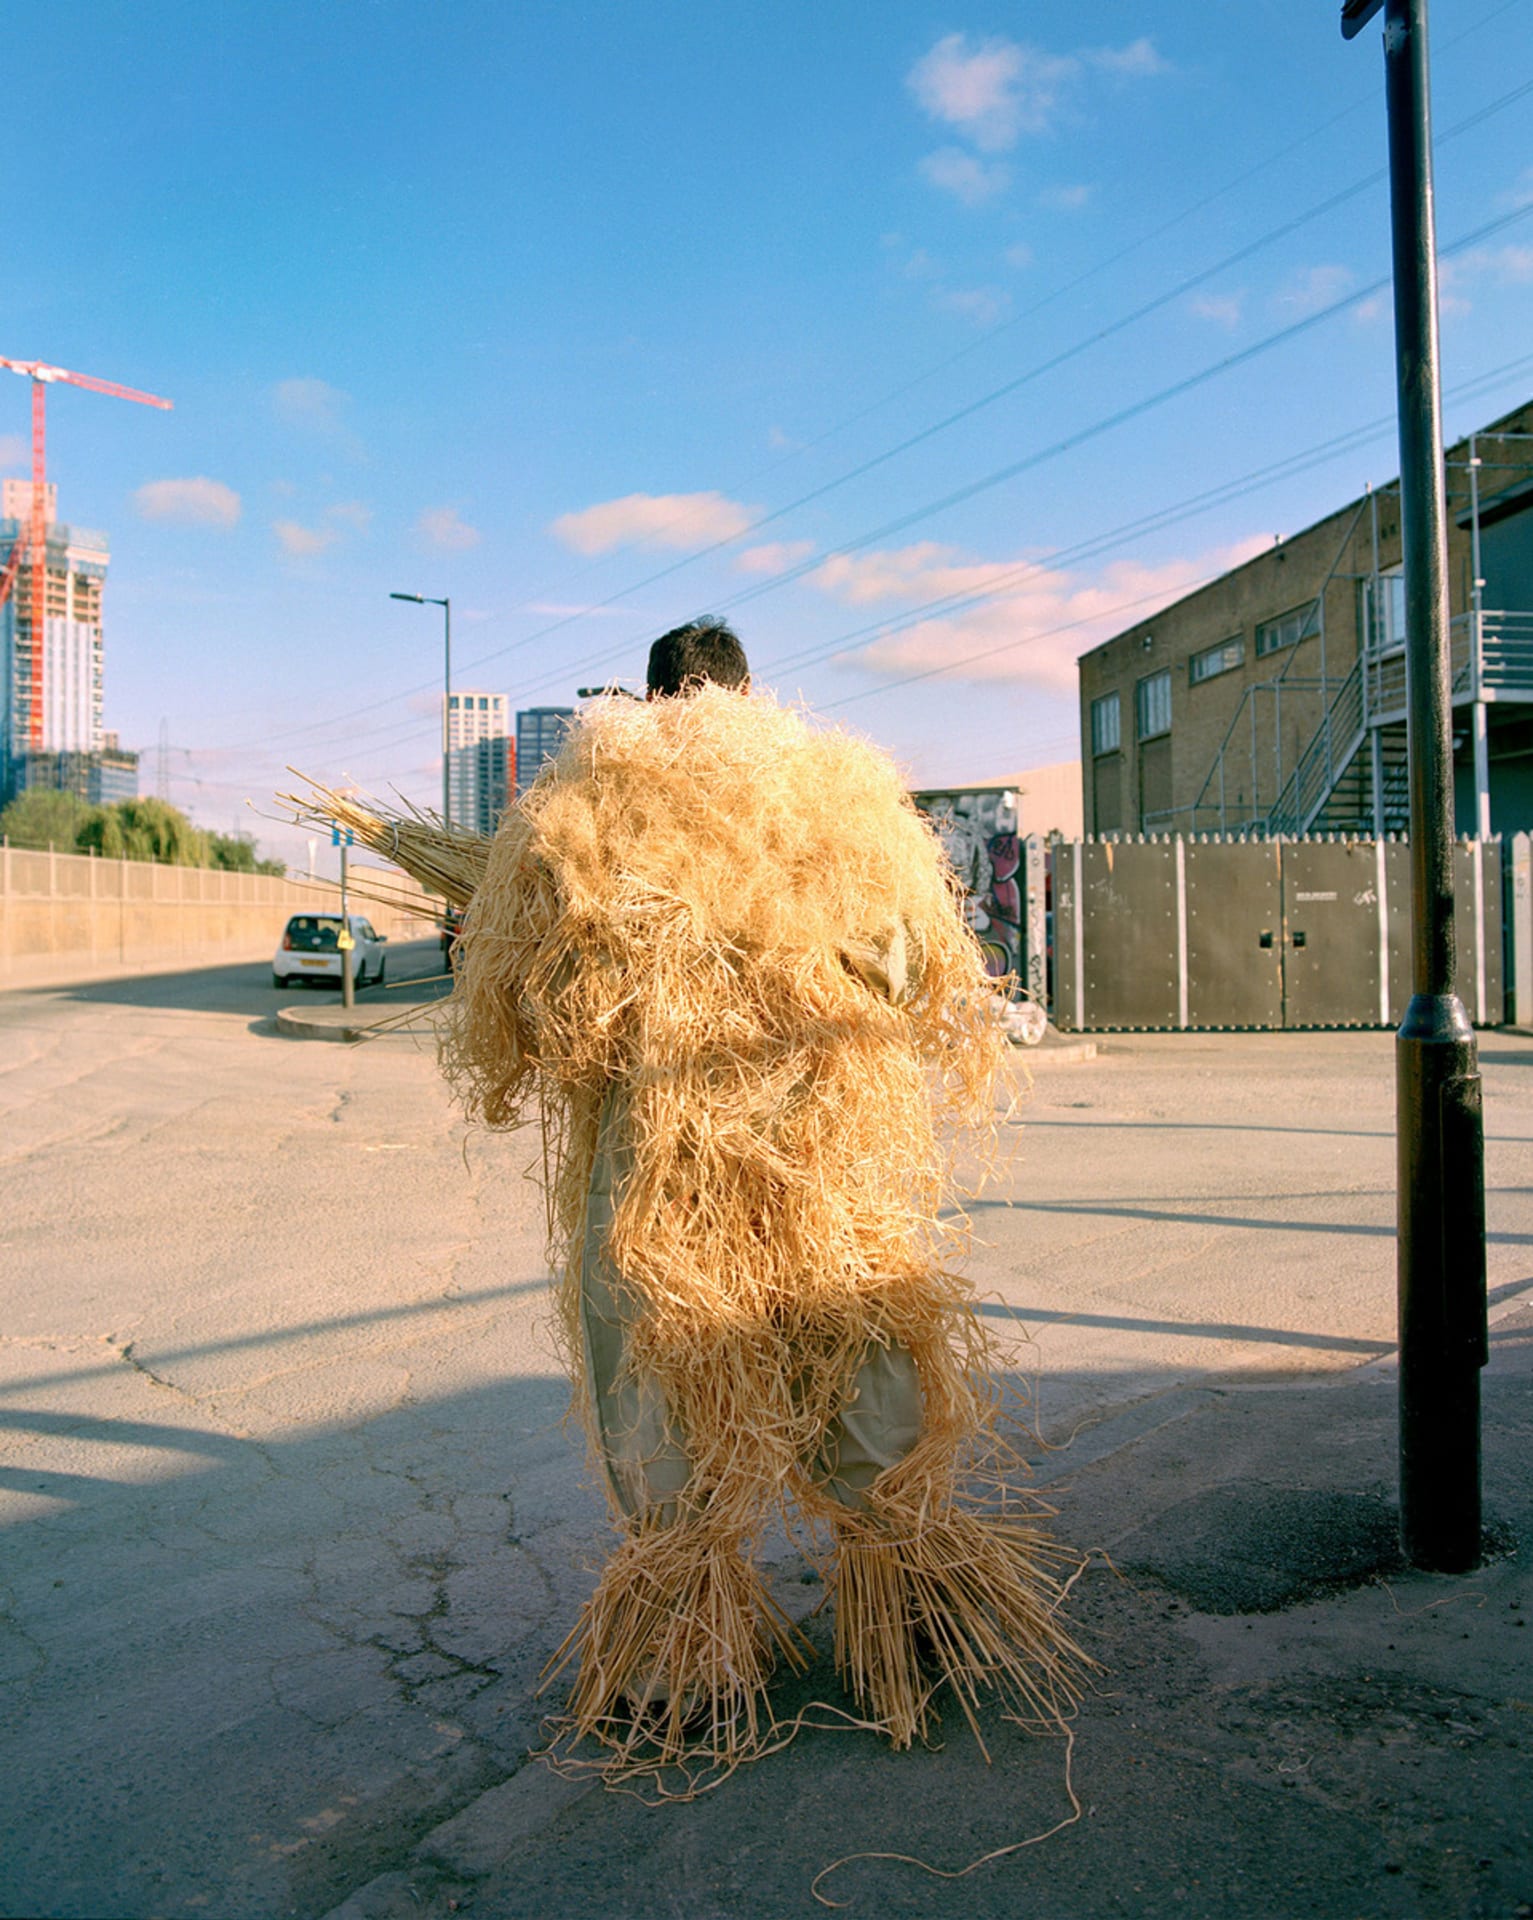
(1505, 665)
(1343, 724)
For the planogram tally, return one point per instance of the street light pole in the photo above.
(430, 600)
(1440, 1152)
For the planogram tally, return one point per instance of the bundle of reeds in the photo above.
(448, 861)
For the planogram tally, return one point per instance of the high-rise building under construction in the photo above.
(51, 684)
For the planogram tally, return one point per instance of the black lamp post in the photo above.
(429, 600)
(1440, 1150)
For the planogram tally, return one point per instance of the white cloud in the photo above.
(1509, 266)
(983, 305)
(1224, 309)
(1138, 60)
(190, 503)
(991, 92)
(1034, 627)
(1312, 288)
(301, 542)
(13, 450)
(1068, 199)
(1461, 273)
(351, 513)
(968, 179)
(353, 516)
(445, 527)
(774, 556)
(1019, 254)
(779, 441)
(681, 521)
(887, 573)
(1371, 309)
(1520, 193)
(313, 404)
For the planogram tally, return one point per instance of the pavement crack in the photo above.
(126, 1354)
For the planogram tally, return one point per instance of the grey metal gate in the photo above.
(1234, 894)
(1130, 978)
(1336, 923)
(1170, 933)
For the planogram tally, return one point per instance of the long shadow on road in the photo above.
(415, 971)
(248, 1673)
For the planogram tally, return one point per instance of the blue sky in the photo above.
(597, 317)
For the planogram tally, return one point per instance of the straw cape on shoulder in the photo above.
(717, 953)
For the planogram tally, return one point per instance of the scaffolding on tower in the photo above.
(30, 548)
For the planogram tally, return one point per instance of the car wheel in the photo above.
(382, 973)
(278, 981)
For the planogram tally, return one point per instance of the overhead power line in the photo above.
(1106, 423)
(1158, 303)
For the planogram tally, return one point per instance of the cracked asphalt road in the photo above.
(290, 1522)
(290, 1517)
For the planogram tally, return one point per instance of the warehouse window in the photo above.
(1384, 609)
(1213, 661)
(1152, 705)
(1106, 726)
(1288, 629)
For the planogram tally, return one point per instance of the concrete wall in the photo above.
(1048, 798)
(66, 917)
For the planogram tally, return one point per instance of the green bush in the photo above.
(143, 829)
(45, 818)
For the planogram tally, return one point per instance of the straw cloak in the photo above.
(718, 955)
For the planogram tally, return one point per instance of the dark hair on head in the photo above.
(689, 657)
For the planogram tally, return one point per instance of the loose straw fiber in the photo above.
(744, 926)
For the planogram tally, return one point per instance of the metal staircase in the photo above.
(1351, 775)
(1351, 778)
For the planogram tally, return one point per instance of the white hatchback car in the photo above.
(311, 950)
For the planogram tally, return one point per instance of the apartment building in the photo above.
(481, 759)
(1272, 700)
(540, 733)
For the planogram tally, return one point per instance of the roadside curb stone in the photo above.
(468, 1847)
(374, 1021)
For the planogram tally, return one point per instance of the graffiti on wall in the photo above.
(978, 829)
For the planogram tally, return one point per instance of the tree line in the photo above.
(143, 829)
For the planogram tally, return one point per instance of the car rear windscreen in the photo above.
(316, 933)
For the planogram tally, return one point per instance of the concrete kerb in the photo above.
(1058, 1049)
(371, 1021)
(377, 1020)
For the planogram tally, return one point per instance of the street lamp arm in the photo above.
(445, 603)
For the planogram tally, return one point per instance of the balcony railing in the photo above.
(1506, 652)
(1372, 695)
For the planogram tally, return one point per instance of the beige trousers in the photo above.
(642, 1449)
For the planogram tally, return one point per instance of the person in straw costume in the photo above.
(720, 956)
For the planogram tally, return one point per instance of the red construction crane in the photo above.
(32, 546)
